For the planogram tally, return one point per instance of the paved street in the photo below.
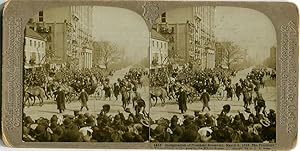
(95, 104)
(167, 111)
(171, 108)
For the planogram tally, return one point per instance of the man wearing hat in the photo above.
(205, 98)
(41, 134)
(261, 105)
(60, 100)
(196, 113)
(87, 131)
(238, 90)
(105, 110)
(107, 90)
(83, 97)
(182, 97)
(223, 119)
(116, 89)
(176, 129)
(250, 88)
(136, 97)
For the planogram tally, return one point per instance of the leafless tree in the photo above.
(233, 54)
(105, 52)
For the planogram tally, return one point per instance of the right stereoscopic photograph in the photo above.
(213, 76)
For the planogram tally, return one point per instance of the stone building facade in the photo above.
(191, 34)
(68, 31)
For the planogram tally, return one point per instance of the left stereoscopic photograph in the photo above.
(86, 76)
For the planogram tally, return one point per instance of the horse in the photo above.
(32, 92)
(246, 98)
(158, 92)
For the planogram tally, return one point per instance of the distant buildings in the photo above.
(219, 55)
(68, 31)
(158, 50)
(34, 48)
(191, 34)
(271, 60)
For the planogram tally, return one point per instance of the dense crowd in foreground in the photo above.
(129, 127)
(88, 128)
(223, 128)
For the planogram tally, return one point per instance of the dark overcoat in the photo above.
(83, 99)
(182, 97)
(60, 100)
(205, 98)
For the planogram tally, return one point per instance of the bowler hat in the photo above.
(106, 107)
(76, 112)
(40, 129)
(159, 130)
(174, 119)
(67, 122)
(196, 113)
(90, 121)
(247, 110)
(28, 120)
(127, 110)
(226, 108)
(79, 122)
(54, 118)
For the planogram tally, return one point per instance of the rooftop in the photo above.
(158, 36)
(33, 34)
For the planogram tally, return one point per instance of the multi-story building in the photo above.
(68, 31)
(273, 51)
(191, 34)
(158, 50)
(219, 55)
(34, 49)
(271, 60)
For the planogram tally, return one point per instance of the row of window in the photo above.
(159, 44)
(164, 17)
(34, 43)
(41, 16)
(33, 55)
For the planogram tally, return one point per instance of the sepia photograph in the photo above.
(213, 76)
(90, 74)
(86, 76)
(209, 76)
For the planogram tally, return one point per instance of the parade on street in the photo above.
(187, 79)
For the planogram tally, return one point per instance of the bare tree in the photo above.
(105, 52)
(232, 53)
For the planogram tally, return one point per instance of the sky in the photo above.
(247, 28)
(124, 27)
